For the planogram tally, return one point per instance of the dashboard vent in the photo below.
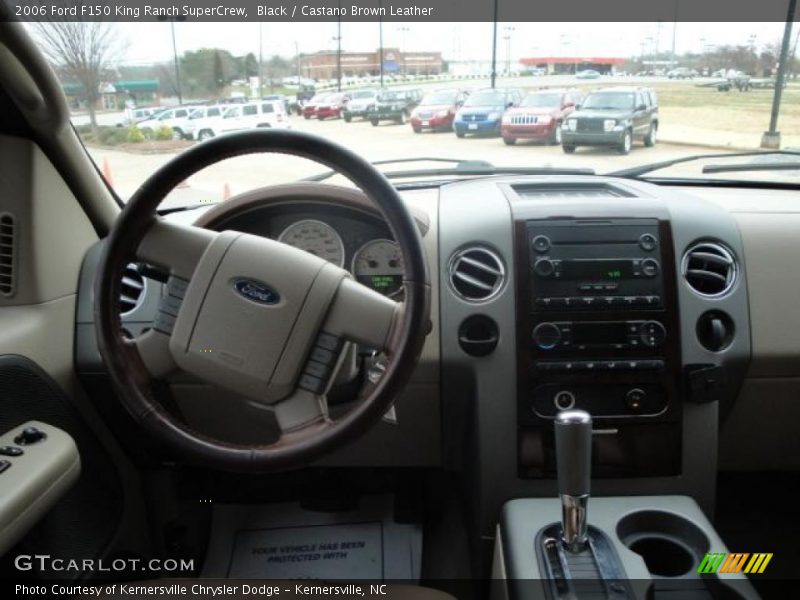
(476, 274)
(709, 269)
(132, 289)
(7, 254)
(571, 190)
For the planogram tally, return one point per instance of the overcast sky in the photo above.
(152, 42)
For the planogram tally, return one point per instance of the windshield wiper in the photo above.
(634, 172)
(462, 168)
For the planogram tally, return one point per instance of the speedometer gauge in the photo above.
(317, 238)
(379, 265)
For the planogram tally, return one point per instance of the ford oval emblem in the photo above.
(256, 291)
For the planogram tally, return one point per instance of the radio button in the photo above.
(546, 335)
(541, 243)
(564, 400)
(648, 242)
(652, 334)
(650, 267)
(634, 399)
(544, 302)
(610, 287)
(588, 300)
(585, 287)
(544, 267)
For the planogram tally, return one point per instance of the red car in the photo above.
(331, 105)
(437, 110)
(539, 116)
(310, 107)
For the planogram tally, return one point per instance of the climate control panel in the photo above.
(595, 335)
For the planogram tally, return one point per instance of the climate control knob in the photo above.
(650, 267)
(546, 335)
(652, 334)
(544, 267)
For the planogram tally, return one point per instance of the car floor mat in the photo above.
(285, 541)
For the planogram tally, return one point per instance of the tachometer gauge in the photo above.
(317, 238)
(379, 265)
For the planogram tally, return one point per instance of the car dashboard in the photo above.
(631, 300)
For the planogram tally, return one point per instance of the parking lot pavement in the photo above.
(385, 142)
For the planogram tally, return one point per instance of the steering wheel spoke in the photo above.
(360, 314)
(176, 248)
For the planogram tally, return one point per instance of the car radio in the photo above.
(599, 265)
(596, 335)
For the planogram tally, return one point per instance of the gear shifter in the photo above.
(573, 437)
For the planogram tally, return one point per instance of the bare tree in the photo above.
(82, 51)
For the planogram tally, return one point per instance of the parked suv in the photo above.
(394, 105)
(437, 110)
(200, 125)
(359, 104)
(175, 118)
(252, 115)
(332, 106)
(539, 116)
(613, 117)
(483, 110)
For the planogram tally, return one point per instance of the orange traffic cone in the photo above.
(107, 173)
(226, 192)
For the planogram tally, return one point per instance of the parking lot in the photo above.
(386, 142)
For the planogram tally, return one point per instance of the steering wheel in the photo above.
(257, 317)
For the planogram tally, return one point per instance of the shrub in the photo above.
(164, 132)
(135, 135)
(111, 136)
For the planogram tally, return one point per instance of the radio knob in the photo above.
(652, 334)
(544, 267)
(541, 243)
(546, 335)
(650, 267)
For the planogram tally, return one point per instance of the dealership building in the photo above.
(554, 65)
(323, 65)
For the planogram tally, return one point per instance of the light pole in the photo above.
(508, 29)
(403, 30)
(380, 43)
(338, 40)
(177, 64)
(772, 137)
(260, 60)
(494, 46)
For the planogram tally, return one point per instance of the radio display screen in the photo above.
(603, 332)
(597, 270)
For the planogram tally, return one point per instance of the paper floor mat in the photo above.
(284, 541)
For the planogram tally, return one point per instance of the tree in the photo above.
(82, 51)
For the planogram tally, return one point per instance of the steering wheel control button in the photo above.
(176, 287)
(328, 341)
(4, 465)
(650, 267)
(316, 369)
(164, 322)
(546, 335)
(541, 243)
(312, 384)
(30, 435)
(564, 400)
(634, 399)
(648, 242)
(11, 451)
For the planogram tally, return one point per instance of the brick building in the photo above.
(572, 64)
(322, 65)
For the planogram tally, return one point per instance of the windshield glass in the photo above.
(713, 93)
(610, 100)
(439, 98)
(542, 101)
(486, 98)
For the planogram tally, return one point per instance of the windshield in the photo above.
(542, 101)
(610, 100)
(487, 98)
(439, 98)
(713, 93)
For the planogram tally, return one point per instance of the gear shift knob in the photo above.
(573, 436)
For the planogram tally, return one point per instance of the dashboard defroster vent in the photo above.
(7, 254)
(709, 269)
(131, 290)
(476, 274)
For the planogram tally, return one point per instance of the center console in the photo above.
(598, 331)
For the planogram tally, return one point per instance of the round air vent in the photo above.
(709, 269)
(131, 290)
(476, 274)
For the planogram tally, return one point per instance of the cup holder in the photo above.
(670, 545)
